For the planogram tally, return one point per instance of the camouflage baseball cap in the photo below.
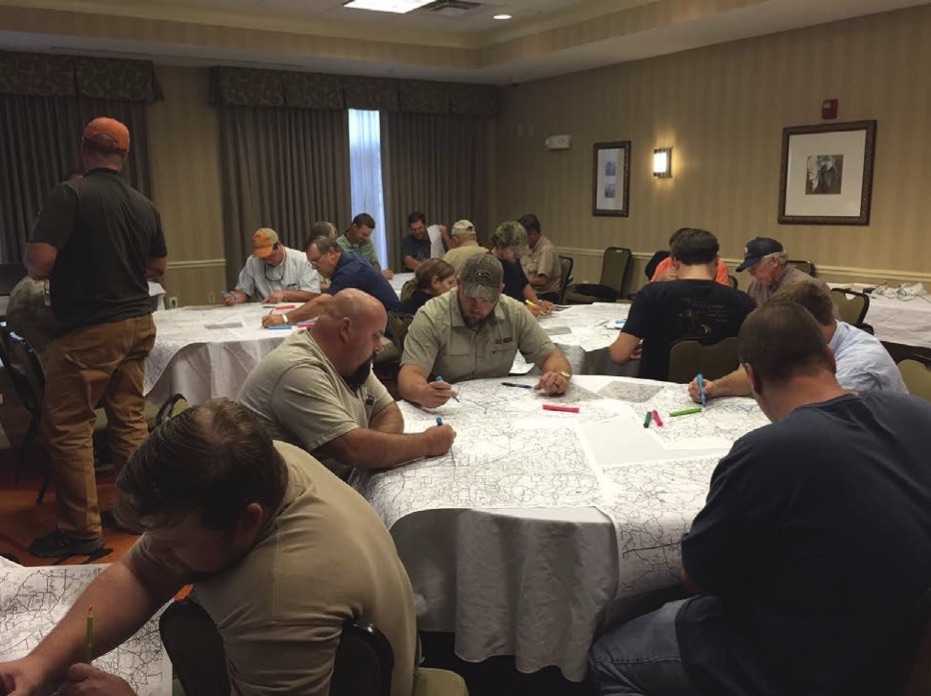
(510, 234)
(481, 277)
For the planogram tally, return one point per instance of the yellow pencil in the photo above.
(529, 303)
(89, 636)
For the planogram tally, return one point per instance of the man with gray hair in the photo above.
(471, 333)
(317, 391)
(465, 245)
(766, 261)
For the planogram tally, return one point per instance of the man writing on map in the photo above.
(280, 551)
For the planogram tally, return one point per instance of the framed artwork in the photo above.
(827, 174)
(611, 179)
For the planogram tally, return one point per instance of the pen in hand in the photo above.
(89, 636)
(701, 387)
(438, 378)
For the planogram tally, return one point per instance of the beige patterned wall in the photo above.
(723, 109)
(184, 142)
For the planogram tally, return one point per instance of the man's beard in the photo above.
(357, 378)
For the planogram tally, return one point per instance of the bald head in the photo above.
(349, 330)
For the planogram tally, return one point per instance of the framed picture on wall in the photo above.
(827, 174)
(611, 178)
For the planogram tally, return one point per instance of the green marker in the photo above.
(686, 411)
(647, 419)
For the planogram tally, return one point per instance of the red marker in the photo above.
(565, 409)
(656, 418)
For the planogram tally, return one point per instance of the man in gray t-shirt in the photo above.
(317, 391)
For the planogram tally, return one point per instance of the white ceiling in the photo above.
(472, 34)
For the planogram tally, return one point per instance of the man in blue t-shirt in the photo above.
(813, 550)
(345, 269)
(694, 306)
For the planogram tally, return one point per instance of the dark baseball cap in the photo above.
(756, 249)
(481, 277)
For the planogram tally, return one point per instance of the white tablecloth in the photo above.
(398, 281)
(206, 352)
(905, 320)
(522, 538)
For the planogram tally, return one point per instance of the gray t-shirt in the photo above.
(259, 281)
(303, 400)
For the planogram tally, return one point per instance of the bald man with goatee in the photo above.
(317, 391)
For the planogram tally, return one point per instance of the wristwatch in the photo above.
(284, 318)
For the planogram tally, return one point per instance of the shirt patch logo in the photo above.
(502, 341)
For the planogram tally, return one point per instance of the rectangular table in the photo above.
(537, 523)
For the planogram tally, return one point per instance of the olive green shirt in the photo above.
(458, 256)
(543, 260)
(325, 557)
(439, 342)
(365, 249)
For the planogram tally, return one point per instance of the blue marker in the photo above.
(280, 327)
(701, 387)
(439, 421)
(440, 379)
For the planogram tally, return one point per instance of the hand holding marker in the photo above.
(438, 378)
(701, 387)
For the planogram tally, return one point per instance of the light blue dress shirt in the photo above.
(863, 364)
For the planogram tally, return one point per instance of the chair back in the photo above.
(565, 275)
(802, 265)
(919, 668)
(852, 305)
(687, 358)
(25, 371)
(195, 648)
(398, 324)
(732, 280)
(363, 664)
(916, 373)
(174, 404)
(614, 265)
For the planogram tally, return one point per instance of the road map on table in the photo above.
(651, 508)
(720, 423)
(33, 600)
(526, 458)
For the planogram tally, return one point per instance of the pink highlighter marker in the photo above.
(565, 409)
(656, 418)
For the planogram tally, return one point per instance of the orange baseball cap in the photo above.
(263, 242)
(108, 134)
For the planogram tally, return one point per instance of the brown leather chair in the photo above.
(615, 265)
(852, 305)
(688, 358)
(916, 373)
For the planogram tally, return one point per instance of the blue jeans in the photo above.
(641, 657)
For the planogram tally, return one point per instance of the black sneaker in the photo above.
(55, 545)
(109, 521)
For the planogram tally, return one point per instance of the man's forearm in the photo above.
(410, 383)
(388, 420)
(308, 310)
(555, 362)
(121, 605)
(737, 383)
(300, 295)
(365, 448)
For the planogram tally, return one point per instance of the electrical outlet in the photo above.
(172, 303)
(211, 298)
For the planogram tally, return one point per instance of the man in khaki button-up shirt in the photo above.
(474, 332)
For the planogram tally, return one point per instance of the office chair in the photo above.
(688, 357)
(852, 305)
(363, 664)
(565, 276)
(615, 265)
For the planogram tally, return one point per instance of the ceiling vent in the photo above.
(450, 8)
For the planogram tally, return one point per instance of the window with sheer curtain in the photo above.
(365, 174)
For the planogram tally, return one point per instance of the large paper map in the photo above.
(33, 600)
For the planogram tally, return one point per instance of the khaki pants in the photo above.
(101, 364)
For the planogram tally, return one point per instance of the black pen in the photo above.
(514, 384)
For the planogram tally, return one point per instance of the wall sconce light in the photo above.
(662, 162)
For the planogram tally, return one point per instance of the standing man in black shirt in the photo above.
(99, 241)
(813, 550)
(692, 307)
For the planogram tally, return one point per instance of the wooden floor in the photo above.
(21, 520)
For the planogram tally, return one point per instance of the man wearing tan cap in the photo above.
(98, 241)
(465, 245)
(274, 273)
(475, 332)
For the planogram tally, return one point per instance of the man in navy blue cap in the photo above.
(766, 260)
